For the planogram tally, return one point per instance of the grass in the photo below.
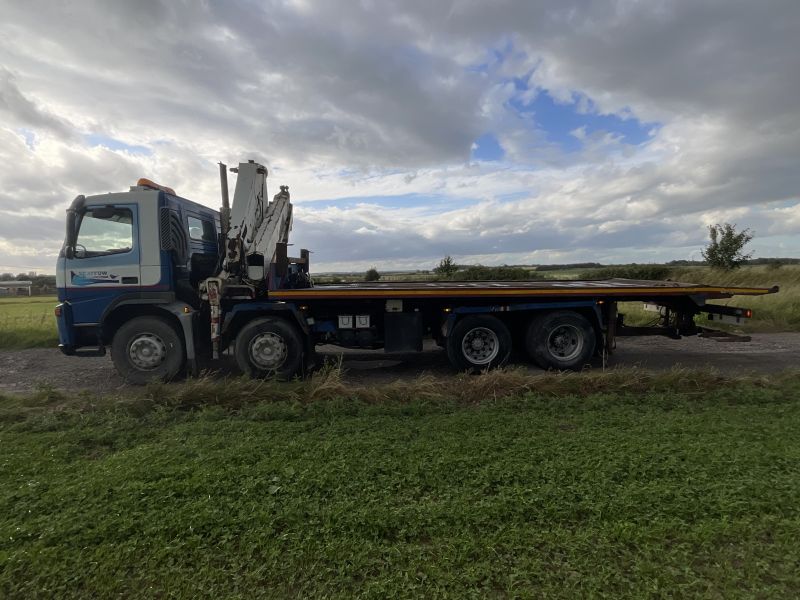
(501, 485)
(773, 312)
(27, 322)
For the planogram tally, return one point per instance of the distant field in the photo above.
(495, 486)
(27, 322)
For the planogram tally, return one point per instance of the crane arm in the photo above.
(256, 226)
(255, 234)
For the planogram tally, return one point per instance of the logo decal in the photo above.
(92, 277)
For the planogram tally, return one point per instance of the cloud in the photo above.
(349, 102)
(16, 108)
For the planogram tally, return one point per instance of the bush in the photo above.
(634, 271)
(447, 267)
(726, 249)
(504, 273)
(585, 265)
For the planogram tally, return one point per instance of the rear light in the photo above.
(748, 313)
(58, 311)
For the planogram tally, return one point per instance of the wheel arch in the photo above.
(123, 313)
(242, 314)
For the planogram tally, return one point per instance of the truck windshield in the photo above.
(105, 230)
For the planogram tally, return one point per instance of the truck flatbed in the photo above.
(619, 289)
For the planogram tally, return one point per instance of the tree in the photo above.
(726, 248)
(372, 275)
(446, 267)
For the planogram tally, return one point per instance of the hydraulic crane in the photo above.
(254, 240)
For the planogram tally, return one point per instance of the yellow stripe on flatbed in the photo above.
(465, 292)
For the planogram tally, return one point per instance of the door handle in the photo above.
(127, 280)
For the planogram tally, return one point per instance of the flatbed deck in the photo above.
(619, 289)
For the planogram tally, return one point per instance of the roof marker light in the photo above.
(144, 182)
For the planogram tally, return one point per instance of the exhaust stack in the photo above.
(225, 211)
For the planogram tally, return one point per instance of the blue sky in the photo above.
(560, 120)
(98, 139)
(566, 124)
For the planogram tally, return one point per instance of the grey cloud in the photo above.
(381, 91)
(299, 83)
(25, 230)
(23, 112)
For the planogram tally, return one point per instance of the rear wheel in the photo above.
(560, 340)
(269, 347)
(146, 349)
(478, 342)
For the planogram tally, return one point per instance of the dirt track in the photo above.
(766, 353)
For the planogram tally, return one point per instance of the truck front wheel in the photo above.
(146, 349)
(478, 342)
(269, 347)
(560, 340)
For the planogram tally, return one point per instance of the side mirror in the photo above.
(73, 220)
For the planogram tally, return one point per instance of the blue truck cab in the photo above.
(128, 255)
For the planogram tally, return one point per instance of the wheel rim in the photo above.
(480, 346)
(147, 351)
(565, 342)
(268, 350)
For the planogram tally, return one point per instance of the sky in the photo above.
(496, 132)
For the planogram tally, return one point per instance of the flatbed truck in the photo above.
(167, 283)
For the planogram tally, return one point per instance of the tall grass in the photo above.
(772, 312)
(27, 322)
(330, 385)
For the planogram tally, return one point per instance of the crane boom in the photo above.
(255, 236)
(256, 226)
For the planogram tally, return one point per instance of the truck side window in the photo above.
(105, 230)
(202, 230)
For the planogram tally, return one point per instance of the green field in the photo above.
(27, 322)
(675, 485)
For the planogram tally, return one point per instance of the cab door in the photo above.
(203, 244)
(105, 261)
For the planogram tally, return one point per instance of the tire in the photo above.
(146, 349)
(563, 340)
(269, 347)
(477, 343)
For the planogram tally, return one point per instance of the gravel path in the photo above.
(24, 370)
